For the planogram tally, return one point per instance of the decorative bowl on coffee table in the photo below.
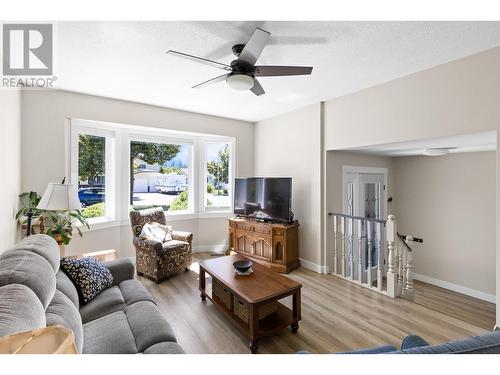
(242, 265)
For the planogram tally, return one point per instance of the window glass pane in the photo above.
(217, 168)
(91, 175)
(159, 176)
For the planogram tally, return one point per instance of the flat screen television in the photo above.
(264, 198)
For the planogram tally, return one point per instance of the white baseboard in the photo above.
(210, 248)
(313, 266)
(456, 288)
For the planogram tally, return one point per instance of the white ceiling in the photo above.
(476, 142)
(127, 60)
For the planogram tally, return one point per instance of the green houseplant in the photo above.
(60, 224)
(57, 224)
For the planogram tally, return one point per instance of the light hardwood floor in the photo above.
(336, 316)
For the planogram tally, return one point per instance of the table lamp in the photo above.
(60, 197)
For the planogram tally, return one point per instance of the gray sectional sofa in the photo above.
(35, 293)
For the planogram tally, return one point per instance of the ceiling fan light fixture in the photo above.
(240, 82)
(438, 151)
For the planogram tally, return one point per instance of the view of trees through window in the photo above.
(217, 157)
(159, 175)
(91, 175)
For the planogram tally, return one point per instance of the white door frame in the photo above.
(349, 169)
(360, 169)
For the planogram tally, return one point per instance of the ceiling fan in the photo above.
(241, 73)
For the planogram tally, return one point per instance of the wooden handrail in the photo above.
(358, 218)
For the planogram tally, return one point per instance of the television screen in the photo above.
(263, 198)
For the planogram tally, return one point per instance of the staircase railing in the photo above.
(360, 254)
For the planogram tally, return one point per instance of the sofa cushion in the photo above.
(165, 348)
(106, 302)
(89, 276)
(484, 344)
(62, 311)
(148, 325)
(66, 286)
(113, 299)
(30, 269)
(20, 310)
(40, 244)
(110, 334)
(122, 269)
(133, 291)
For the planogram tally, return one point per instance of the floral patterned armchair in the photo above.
(156, 260)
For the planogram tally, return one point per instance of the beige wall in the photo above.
(449, 202)
(335, 160)
(459, 97)
(10, 156)
(44, 147)
(290, 146)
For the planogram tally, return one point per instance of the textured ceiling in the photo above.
(475, 142)
(127, 60)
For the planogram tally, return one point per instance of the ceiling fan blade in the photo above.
(200, 60)
(257, 88)
(269, 71)
(211, 81)
(253, 48)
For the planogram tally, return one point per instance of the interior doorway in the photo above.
(365, 195)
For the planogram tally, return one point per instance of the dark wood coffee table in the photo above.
(257, 290)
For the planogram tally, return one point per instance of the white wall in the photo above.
(459, 97)
(45, 153)
(449, 202)
(10, 164)
(289, 145)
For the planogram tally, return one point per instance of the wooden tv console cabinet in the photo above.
(273, 245)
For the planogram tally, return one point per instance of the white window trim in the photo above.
(117, 168)
(134, 137)
(110, 159)
(204, 174)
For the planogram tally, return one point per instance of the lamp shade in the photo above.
(60, 197)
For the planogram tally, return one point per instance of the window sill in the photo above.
(99, 223)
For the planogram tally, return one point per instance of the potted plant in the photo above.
(59, 224)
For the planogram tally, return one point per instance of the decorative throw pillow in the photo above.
(156, 232)
(89, 275)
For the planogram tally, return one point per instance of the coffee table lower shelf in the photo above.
(280, 319)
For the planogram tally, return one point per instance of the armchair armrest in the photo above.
(182, 236)
(147, 244)
(121, 269)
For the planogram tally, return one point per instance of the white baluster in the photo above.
(400, 264)
(391, 230)
(335, 249)
(351, 248)
(342, 244)
(379, 257)
(404, 257)
(360, 250)
(410, 291)
(369, 252)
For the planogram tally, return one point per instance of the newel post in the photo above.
(391, 231)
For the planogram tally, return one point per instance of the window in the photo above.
(92, 171)
(159, 175)
(119, 168)
(218, 171)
